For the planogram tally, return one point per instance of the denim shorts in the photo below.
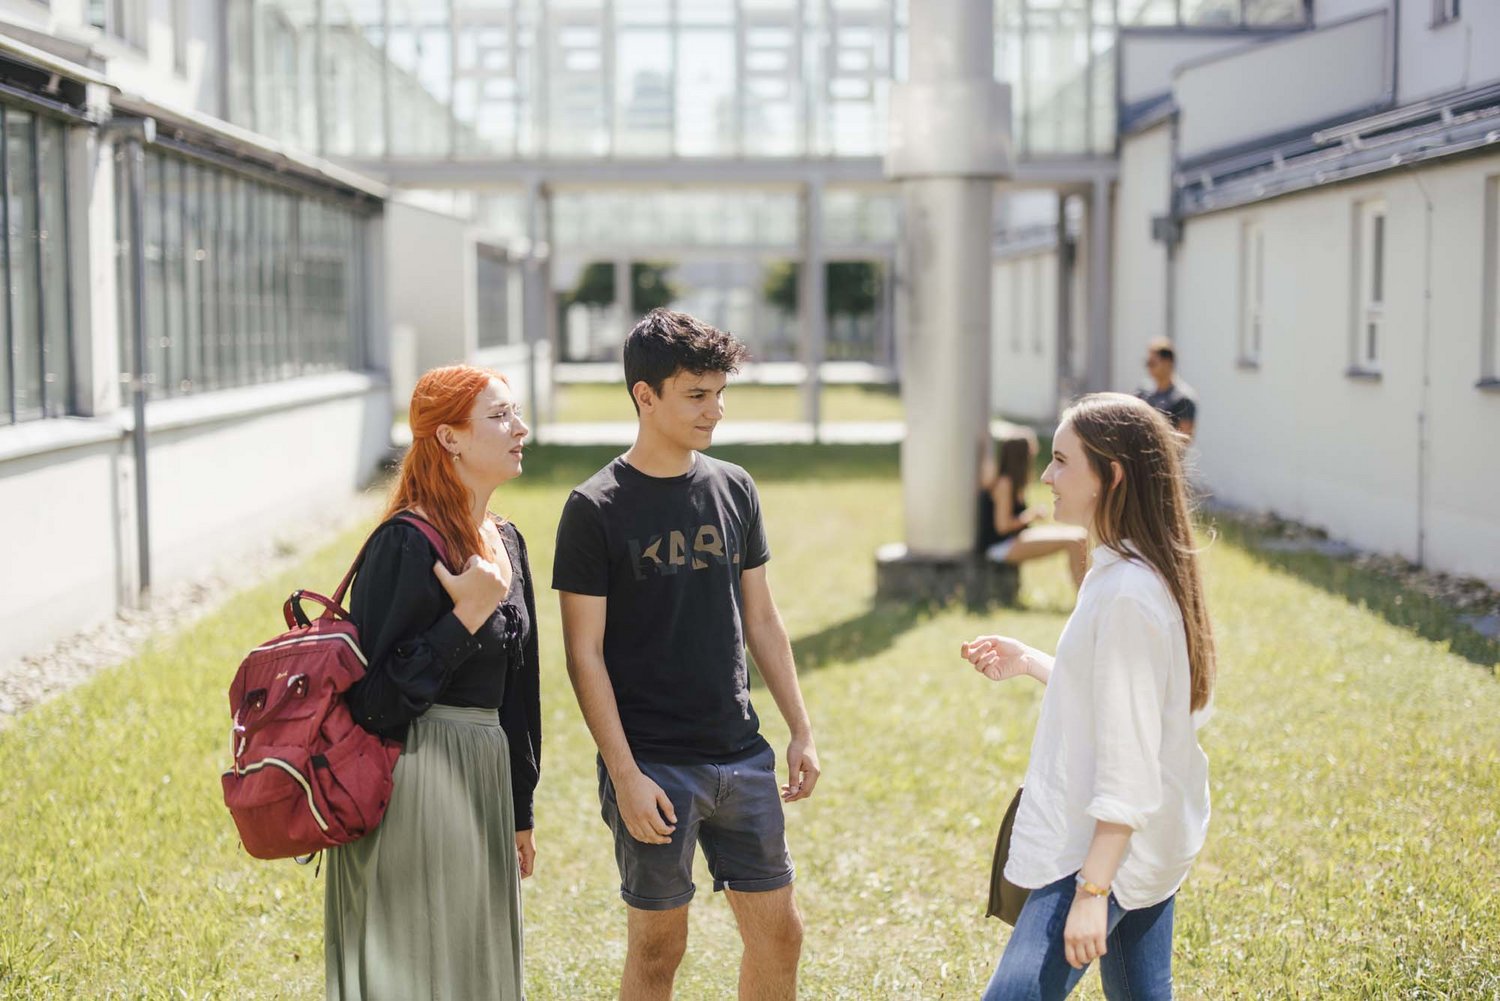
(733, 810)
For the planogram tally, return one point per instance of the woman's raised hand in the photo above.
(476, 592)
(998, 658)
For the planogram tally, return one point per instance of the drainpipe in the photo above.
(138, 133)
(1424, 397)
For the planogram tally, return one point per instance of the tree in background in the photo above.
(650, 286)
(853, 287)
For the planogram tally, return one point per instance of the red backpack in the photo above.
(306, 776)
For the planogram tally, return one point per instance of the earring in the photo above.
(455, 456)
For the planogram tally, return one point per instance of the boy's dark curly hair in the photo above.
(666, 342)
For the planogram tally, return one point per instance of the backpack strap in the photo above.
(420, 524)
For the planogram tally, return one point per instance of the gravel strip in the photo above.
(37, 677)
(1475, 601)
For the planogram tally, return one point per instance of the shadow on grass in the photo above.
(863, 636)
(569, 465)
(1390, 599)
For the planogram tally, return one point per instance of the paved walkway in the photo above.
(735, 433)
(622, 433)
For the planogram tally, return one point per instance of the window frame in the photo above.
(1252, 320)
(126, 21)
(1370, 286)
(39, 364)
(257, 279)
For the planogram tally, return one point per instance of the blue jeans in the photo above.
(1136, 965)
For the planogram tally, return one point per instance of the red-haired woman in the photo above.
(429, 904)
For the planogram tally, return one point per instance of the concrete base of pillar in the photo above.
(978, 582)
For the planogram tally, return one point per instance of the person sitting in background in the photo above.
(1008, 532)
(1165, 391)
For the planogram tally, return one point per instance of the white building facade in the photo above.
(1333, 290)
(263, 355)
(1313, 217)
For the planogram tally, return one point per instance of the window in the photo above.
(1252, 292)
(1046, 276)
(493, 279)
(1370, 305)
(1017, 303)
(179, 35)
(1444, 11)
(36, 370)
(124, 19)
(246, 281)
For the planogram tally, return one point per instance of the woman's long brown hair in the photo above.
(427, 479)
(1150, 507)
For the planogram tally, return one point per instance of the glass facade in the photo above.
(246, 281)
(36, 369)
(574, 79)
(663, 219)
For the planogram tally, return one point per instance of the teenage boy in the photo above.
(661, 572)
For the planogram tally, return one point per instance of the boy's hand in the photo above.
(646, 810)
(802, 770)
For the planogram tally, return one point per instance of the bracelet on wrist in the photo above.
(1090, 889)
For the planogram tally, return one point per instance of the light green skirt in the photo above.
(429, 904)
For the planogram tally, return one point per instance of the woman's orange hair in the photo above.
(427, 478)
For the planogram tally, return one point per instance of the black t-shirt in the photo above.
(1177, 401)
(668, 552)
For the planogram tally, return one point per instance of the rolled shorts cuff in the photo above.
(658, 903)
(756, 885)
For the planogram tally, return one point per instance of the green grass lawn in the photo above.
(590, 402)
(1355, 764)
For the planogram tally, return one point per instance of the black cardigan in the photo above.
(419, 653)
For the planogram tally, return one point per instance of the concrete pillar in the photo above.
(536, 302)
(1100, 213)
(92, 251)
(945, 386)
(1066, 388)
(950, 141)
(812, 299)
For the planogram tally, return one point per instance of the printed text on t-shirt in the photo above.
(662, 554)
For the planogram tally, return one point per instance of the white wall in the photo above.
(1147, 61)
(1140, 277)
(60, 572)
(1458, 55)
(1282, 84)
(430, 265)
(225, 471)
(1023, 348)
(301, 447)
(1296, 434)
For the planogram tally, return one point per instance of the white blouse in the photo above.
(1116, 741)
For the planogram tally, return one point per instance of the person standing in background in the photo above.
(1165, 391)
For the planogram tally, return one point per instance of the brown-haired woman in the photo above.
(1008, 529)
(1116, 802)
(429, 904)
